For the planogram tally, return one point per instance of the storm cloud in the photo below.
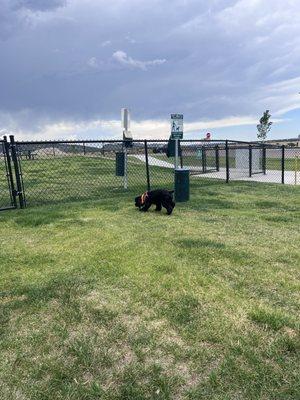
(75, 63)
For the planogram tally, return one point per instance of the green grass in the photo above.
(99, 301)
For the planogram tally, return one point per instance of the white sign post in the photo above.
(176, 133)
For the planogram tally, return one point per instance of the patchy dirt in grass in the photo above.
(5, 299)
(145, 341)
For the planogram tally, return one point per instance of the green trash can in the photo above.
(120, 164)
(182, 185)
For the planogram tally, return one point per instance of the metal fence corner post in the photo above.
(13, 193)
(282, 163)
(227, 160)
(19, 191)
(147, 165)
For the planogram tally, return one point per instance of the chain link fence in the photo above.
(66, 171)
(61, 171)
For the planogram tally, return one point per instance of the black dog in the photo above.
(160, 197)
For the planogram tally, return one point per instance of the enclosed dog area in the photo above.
(33, 173)
(101, 301)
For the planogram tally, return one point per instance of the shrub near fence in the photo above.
(59, 171)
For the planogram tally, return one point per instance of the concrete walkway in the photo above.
(272, 176)
(153, 161)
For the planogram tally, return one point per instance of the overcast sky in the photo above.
(68, 66)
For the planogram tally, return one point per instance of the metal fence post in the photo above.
(147, 166)
(264, 159)
(203, 159)
(296, 168)
(217, 158)
(181, 158)
(227, 161)
(250, 160)
(282, 163)
(125, 166)
(14, 156)
(10, 173)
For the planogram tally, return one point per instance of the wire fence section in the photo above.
(60, 171)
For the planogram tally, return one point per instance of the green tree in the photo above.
(264, 126)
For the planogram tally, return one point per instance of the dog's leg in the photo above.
(168, 207)
(158, 207)
(146, 206)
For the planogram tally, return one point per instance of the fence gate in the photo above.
(7, 190)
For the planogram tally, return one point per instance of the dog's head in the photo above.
(138, 201)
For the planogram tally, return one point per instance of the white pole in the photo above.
(125, 118)
(176, 154)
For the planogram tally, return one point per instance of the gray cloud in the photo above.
(224, 58)
(122, 58)
(15, 14)
(38, 5)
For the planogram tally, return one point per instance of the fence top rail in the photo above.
(116, 141)
(231, 143)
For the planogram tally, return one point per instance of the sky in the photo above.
(67, 67)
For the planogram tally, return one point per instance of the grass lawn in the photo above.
(99, 301)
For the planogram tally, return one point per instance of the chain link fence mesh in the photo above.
(54, 172)
(65, 171)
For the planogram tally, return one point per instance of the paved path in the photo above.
(153, 161)
(272, 176)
